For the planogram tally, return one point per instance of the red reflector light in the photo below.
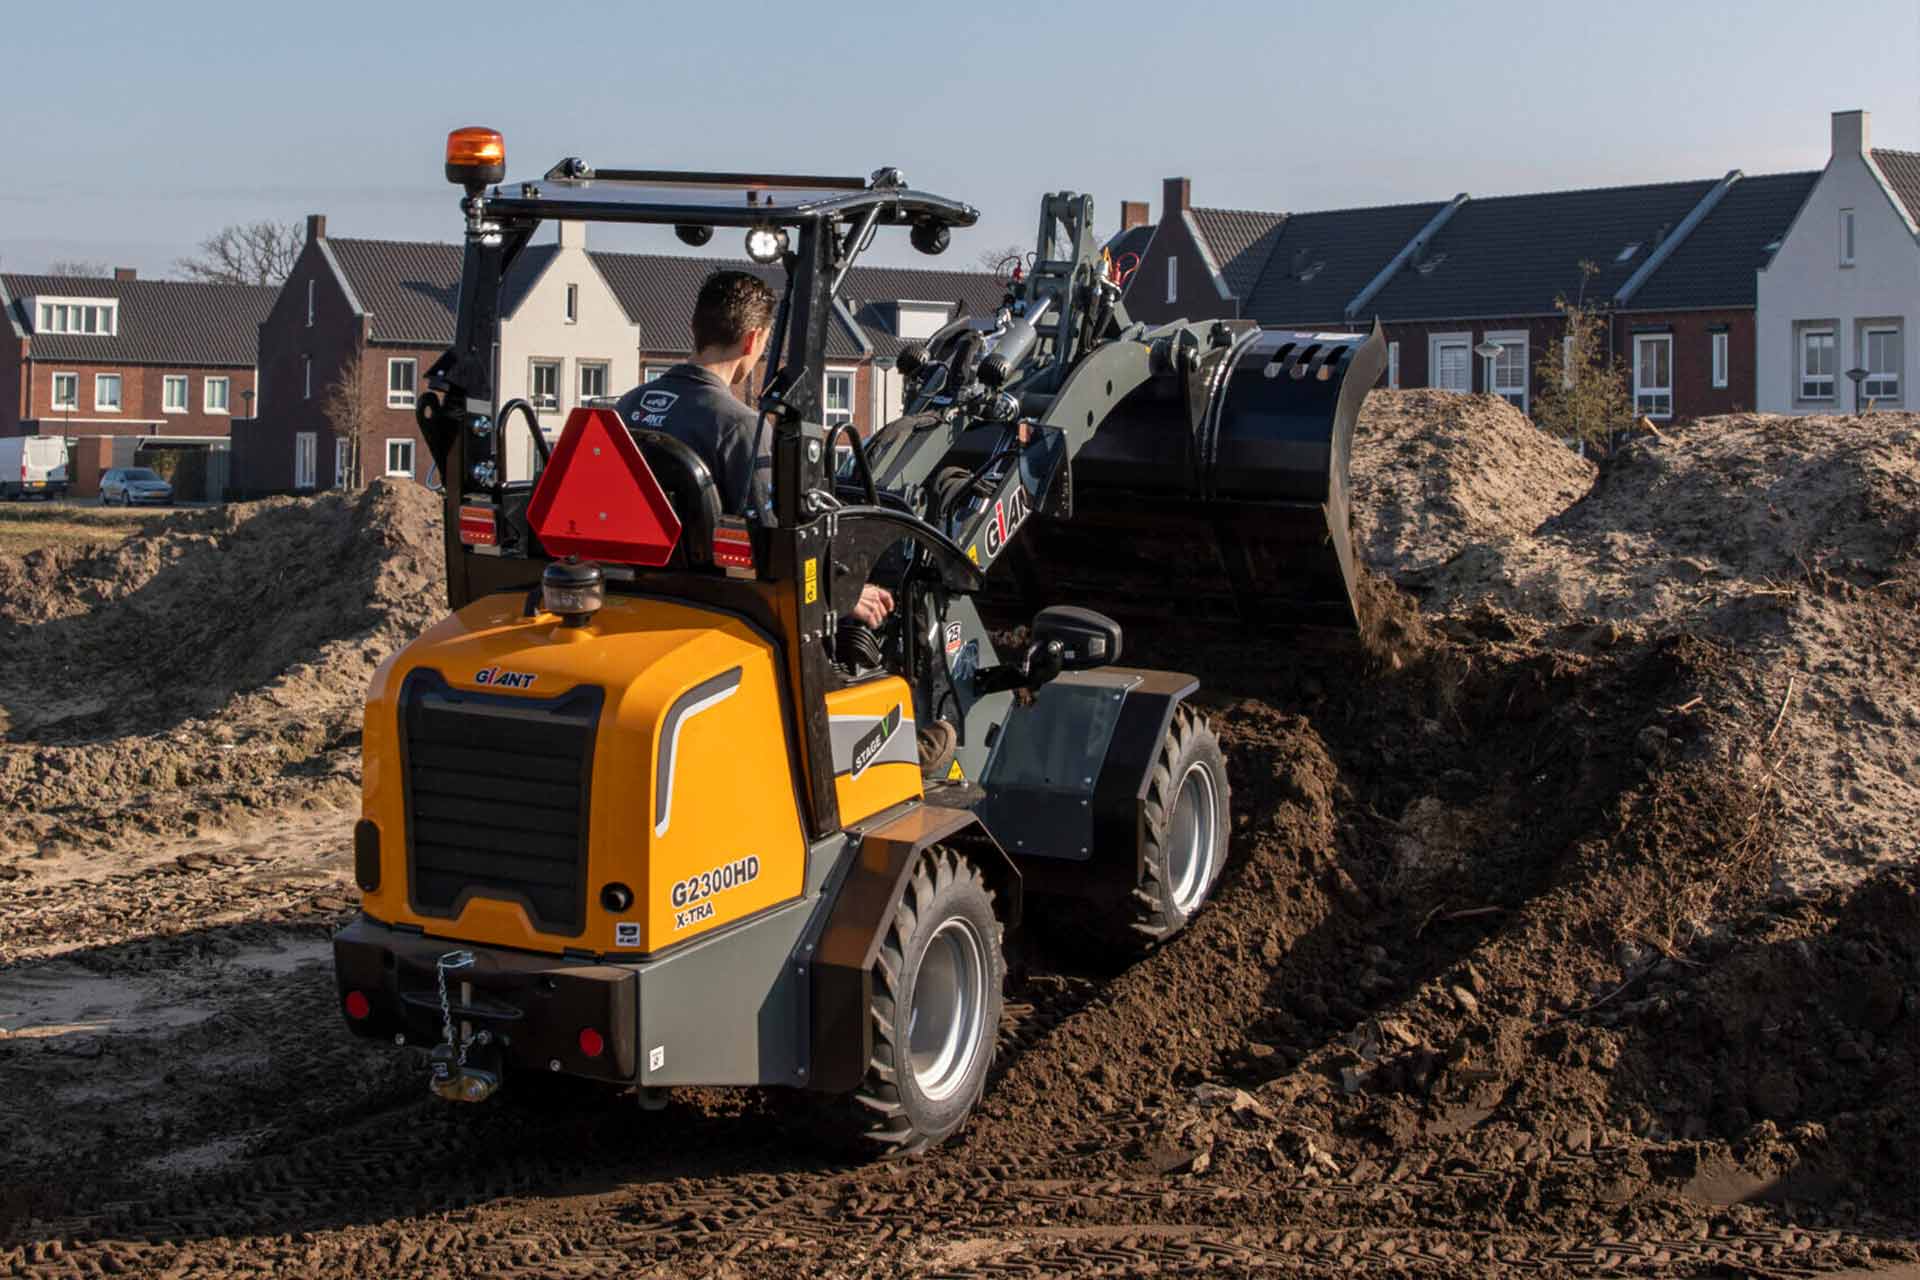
(591, 1042)
(732, 547)
(357, 1006)
(598, 498)
(476, 526)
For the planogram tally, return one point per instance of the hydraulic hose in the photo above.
(859, 457)
(533, 425)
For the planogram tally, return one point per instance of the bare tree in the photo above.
(346, 411)
(1001, 259)
(1584, 388)
(245, 253)
(77, 267)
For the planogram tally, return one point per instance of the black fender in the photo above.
(841, 1035)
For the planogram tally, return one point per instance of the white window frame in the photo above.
(306, 459)
(119, 392)
(167, 402)
(833, 417)
(73, 390)
(573, 304)
(1507, 338)
(1652, 399)
(407, 443)
(654, 371)
(1435, 343)
(1847, 245)
(1720, 346)
(1803, 379)
(403, 399)
(1885, 384)
(226, 395)
(309, 304)
(341, 448)
(534, 365)
(1393, 366)
(67, 315)
(581, 368)
(1173, 278)
(306, 377)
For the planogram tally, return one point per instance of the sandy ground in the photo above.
(1547, 947)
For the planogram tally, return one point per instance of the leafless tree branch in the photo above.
(245, 253)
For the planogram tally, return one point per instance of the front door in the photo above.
(306, 452)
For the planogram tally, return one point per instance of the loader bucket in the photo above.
(1226, 501)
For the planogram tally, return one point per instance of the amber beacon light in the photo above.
(476, 157)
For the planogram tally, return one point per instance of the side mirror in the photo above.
(1086, 639)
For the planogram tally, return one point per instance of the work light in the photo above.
(766, 244)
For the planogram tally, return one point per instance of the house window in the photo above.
(173, 394)
(400, 375)
(1819, 359)
(593, 380)
(544, 385)
(920, 319)
(838, 400)
(106, 392)
(1719, 359)
(1173, 278)
(214, 397)
(1393, 365)
(1846, 237)
(655, 371)
(1451, 360)
(306, 456)
(97, 316)
(342, 461)
(399, 457)
(1882, 347)
(573, 304)
(1653, 375)
(309, 304)
(1510, 368)
(66, 391)
(306, 377)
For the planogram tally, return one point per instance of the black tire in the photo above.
(1188, 818)
(919, 1089)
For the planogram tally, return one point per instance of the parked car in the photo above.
(33, 466)
(134, 486)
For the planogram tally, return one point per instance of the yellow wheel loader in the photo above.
(647, 807)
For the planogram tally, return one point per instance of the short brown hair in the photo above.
(731, 305)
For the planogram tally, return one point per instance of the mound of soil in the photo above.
(211, 663)
(1435, 472)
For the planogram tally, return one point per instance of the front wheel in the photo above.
(1186, 827)
(936, 1006)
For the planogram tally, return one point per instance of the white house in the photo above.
(564, 341)
(1842, 292)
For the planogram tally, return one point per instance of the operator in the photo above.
(697, 404)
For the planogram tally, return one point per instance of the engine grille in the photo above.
(497, 791)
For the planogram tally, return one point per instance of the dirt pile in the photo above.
(1435, 472)
(204, 665)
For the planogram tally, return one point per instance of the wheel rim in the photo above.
(949, 997)
(1191, 851)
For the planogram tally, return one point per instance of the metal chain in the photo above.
(451, 960)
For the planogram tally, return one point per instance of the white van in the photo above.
(33, 465)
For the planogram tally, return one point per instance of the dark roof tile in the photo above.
(161, 322)
(1902, 169)
(1239, 241)
(1715, 265)
(1321, 261)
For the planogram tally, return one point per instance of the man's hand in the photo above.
(875, 604)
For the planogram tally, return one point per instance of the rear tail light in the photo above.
(592, 1043)
(358, 1006)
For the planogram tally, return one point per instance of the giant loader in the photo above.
(646, 808)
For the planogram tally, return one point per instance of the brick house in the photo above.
(122, 365)
(1675, 271)
(391, 304)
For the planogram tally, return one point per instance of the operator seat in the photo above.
(689, 487)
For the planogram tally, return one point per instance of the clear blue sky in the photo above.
(135, 130)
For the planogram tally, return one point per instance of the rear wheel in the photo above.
(1186, 828)
(936, 1006)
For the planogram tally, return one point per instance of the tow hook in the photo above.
(456, 1081)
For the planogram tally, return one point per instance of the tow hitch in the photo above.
(449, 1074)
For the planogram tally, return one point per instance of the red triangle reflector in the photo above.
(598, 498)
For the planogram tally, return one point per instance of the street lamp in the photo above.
(1859, 376)
(1488, 351)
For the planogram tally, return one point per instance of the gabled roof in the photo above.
(408, 287)
(1320, 261)
(1715, 265)
(870, 293)
(1133, 240)
(1515, 255)
(163, 322)
(1238, 241)
(1902, 169)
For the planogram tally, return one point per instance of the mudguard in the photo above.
(842, 969)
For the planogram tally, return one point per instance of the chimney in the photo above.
(1176, 195)
(1133, 213)
(316, 227)
(125, 273)
(1852, 133)
(573, 235)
